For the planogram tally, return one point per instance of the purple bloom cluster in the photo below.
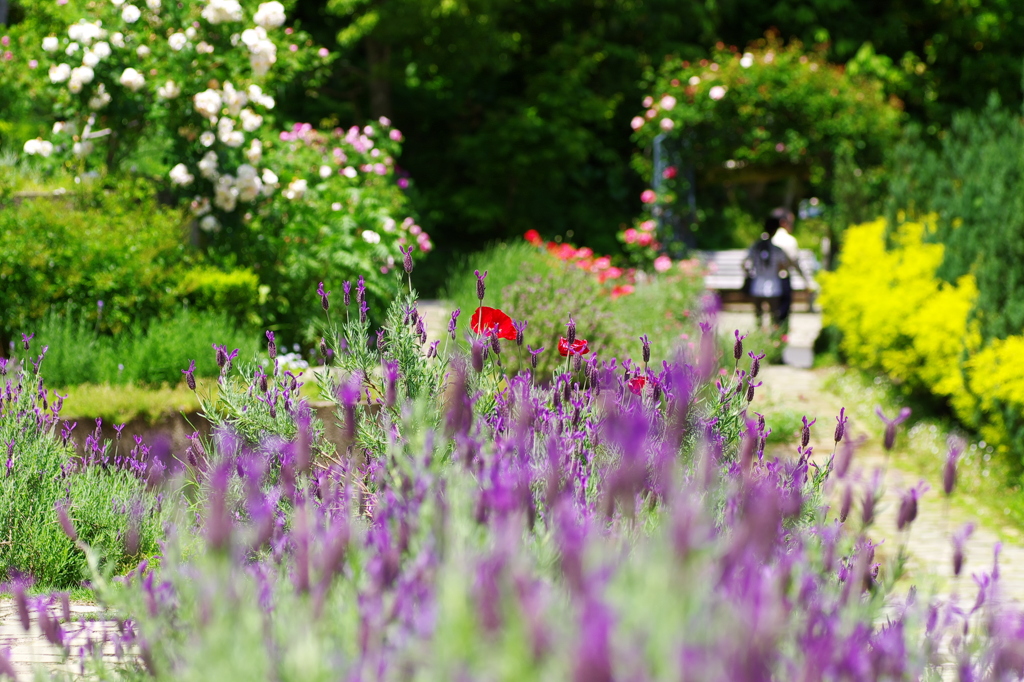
(616, 522)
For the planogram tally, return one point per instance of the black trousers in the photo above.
(785, 301)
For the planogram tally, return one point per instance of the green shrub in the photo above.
(236, 293)
(153, 353)
(120, 248)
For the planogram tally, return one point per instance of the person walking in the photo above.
(785, 240)
(764, 266)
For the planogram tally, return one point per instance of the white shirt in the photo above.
(787, 242)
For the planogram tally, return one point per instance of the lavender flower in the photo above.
(570, 332)
(346, 288)
(959, 541)
(363, 309)
(25, 340)
(805, 432)
(222, 356)
(645, 344)
(956, 447)
(890, 425)
(360, 291)
(65, 522)
(841, 424)
(480, 288)
(452, 323)
(908, 506)
(533, 355)
(737, 348)
(755, 363)
(519, 327)
(190, 377)
(477, 355)
(324, 303)
(406, 258)
(271, 346)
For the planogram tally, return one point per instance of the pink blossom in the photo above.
(667, 124)
(396, 135)
(651, 113)
(636, 123)
(602, 263)
(662, 263)
(648, 101)
(5, 41)
(648, 196)
(648, 225)
(8, 56)
(293, 47)
(415, 229)
(644, 238)
(716, 93)
(630, 235)
(32, 63)
(780, 147)
(288, 31)
(584, 252)
(323, 52)
(380, 169)
(403, 183)
(384, 121)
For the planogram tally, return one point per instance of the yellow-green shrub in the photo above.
(897, 316)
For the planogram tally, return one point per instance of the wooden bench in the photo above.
(725, 274)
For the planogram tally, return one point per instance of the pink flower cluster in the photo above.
(585, 259)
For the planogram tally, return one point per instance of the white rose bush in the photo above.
(197, 82)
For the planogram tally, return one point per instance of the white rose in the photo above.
(250, 120)
(168, 90)
(248, 183)
(371, 237)
(130, 14)
(227, 133)
(101, 49)
(154, 5)
(269, 177)
(59, 127)
(255, 151)
(177, 41)
(717, 92)
(221, 11)
(132, 79)
(262, 55)
(100, 98)
(668, 102)
(51, 44)
(251, 36)
(269, 15)
(90, 59)
(209, 224)
(71, 48)
(80, 76)
(296, 189)
(326, 172)
(45, 148)
(117, 3)
(117, 39)
(207, 139)
(225, 194)
(82, 148)
(85, 32)
(234, 100)
(142, 51)
(350, 172)
(180, 176)
(208, 166)
(204, 48)
(747, 60)
(190, 33)
(59, 73)
(31, 147)
(207, 103)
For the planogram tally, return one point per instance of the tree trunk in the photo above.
(3, 12)
(378, 59)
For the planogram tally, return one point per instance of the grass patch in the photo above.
(124, 403)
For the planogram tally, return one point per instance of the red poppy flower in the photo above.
(636, 385)
(485, 319)
(533, 236)
(579, 347)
